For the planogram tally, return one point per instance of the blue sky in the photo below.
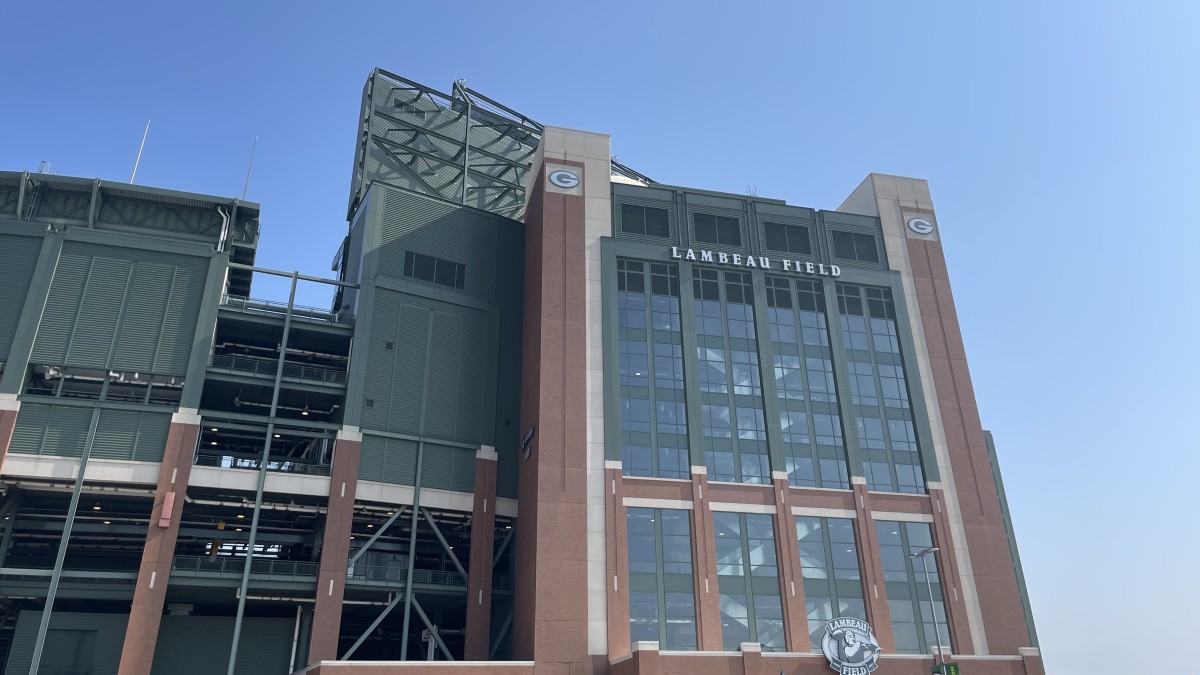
(1061, 142)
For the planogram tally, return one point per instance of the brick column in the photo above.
(704, 565)
(616, 564)
(1031, 658)
(141, 634)
(9, 407)
(483, 543)
(874, 590)
(335, 547)
(795, 619)
(947, 562)
(550, 624)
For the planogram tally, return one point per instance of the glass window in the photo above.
(855, 246)
(717, 229)
(916, 625)
(789, 238)
(747, 574)
(661, 605)
(435, 270)
(829, 566)
(645, 220)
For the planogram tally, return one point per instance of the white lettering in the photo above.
(822, 266)
(706, 256)
(765, 263)
(808, 267)
(737, 258)
(722, 258)
(835, 270)
(690, 255)
(787, 265)
(750, 261)
(675, 252)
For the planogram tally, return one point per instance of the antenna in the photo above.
(140, 148)
(249, 168)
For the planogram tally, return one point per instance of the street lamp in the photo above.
(932, 609)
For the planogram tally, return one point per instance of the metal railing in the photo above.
(267, 367)
(278, 308)
(230, 462)
(397, 574)
(227, 564)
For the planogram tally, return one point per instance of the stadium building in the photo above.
(558, 418)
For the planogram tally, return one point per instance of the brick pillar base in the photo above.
(795, 620)
(704, 562)
(137, 654)
(483, 542)
(8, 421)
(872, 567)
(335, 547)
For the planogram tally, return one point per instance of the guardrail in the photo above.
(277, 307)
(398, 574)
(267, 367)
(229, 462)
(227, 564)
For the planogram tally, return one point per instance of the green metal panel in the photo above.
(51, 430)
(111, 307)
(201, 644)
(95, 328)
(388, 460)
(66, 432)
(152, 437)
(62, 307)
(30, 430)
(16, 275)
(142, 323)
(448, 468)
(408, 374)
(106, 647)
(116, 433)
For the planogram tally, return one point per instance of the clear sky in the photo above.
(1061, 142)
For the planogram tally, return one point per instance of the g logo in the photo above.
(920, 225)
(564, 179)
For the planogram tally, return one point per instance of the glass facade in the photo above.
(808, 407)
(748, 580)
(829, 566)
(731, 395)
(653, 405)
(662, 605)
(878, 390)
(907, 592)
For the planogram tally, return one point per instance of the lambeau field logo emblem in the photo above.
(850, 646)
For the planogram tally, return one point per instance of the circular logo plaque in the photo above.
(920, 225)
(850, 646)
(564, 179)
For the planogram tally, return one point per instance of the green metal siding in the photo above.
(16, 275)
(126, 434)
(119, 308)
(106, 657)
(434, 368)
(388, 460)
(200, 644)
(51, 430)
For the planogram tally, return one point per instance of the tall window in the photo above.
(907, 592)
(808, 411)
(662, 606)
(717, 229)
(650, 349)
(829, 565)
(731, 403)
(878, 390)
(748, 580)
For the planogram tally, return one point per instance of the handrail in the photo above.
(227, 461)
(267, 367)
(228, 564)
(277, 307)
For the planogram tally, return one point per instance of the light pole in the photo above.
(932, 609)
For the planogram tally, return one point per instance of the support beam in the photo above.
(412, 548)
(500, 636)
(375, 537)
(262, 481)
(503, 545)
(429, 625)
(445, 545)
(483, 543)
(56, 576)
(374, 624)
